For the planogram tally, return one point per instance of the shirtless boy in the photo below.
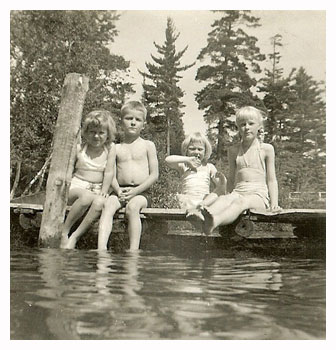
(136, 170)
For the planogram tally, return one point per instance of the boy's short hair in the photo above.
(249, 111)
(97, 118)
(133, 106)
(197, 136)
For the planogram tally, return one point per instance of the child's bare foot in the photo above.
(208, 225)
(70, 243)
(196, 218)
(64, 240)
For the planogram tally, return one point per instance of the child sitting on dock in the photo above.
(93, 174)
(136, 170)
(197, 175)
(252, 179)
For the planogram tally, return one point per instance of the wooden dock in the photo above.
(305, 222)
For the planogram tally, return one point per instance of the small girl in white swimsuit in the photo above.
(93, 174)
(197, 174)
(252, 179)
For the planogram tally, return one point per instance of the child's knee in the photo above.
(241, 203)
(112, 203)
(132, 209)
(98, 203)
(85, 200)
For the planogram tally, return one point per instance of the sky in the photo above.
(303, 32)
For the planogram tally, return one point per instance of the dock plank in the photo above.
(292, 216)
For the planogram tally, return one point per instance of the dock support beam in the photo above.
(63, 157)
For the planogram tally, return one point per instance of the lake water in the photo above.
(166, 294)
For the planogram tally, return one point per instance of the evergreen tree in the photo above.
(162, 95)
(233, 58)
(304, 147)
(44, 47)
(277, 95)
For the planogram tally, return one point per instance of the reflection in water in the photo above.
(145, 295)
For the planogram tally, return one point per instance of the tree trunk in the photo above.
(62, 163)
(17, 178)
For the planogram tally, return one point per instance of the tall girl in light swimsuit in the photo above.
(252, 179)
(93, 174)
(197, 174)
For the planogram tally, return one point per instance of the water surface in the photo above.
(210, 294)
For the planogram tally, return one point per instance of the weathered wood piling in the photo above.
(64, 149)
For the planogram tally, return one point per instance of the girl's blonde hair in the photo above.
(252, 112)
(248, 112)
(100, 118)
(197, 136)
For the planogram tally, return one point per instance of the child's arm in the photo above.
(109, 173)
(218, 179)
(271, 179)
(232, 169)
(175, 161)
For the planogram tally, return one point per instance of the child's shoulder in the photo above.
(149, 144)
(211, 166)
(266, 147)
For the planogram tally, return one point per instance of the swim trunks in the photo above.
(146, 193)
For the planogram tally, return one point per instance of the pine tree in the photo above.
(305, 143)
(233, 58)
(162, 95)
(277, 95)
(45, 47)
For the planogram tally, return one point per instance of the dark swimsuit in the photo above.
(146, 193)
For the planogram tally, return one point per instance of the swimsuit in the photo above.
(252, 159)
(94, 187)
(84, 162)
(195, 185)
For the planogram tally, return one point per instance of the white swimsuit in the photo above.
(195, 185)
(84, 162)
(252, 159)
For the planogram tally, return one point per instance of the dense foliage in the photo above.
(45, 46)
(232, 61)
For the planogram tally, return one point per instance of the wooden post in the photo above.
(62, 163)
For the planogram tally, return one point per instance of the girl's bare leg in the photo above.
(93, 213)
(134, 222)
(82, 200)
(230, 210)
(111, 205)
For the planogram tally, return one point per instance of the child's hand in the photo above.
(194, 163)
(127, 194)
(104, 194)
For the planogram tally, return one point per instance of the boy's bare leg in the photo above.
(83, 199)
(134, 222)
(93, 213)
(111, 205)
